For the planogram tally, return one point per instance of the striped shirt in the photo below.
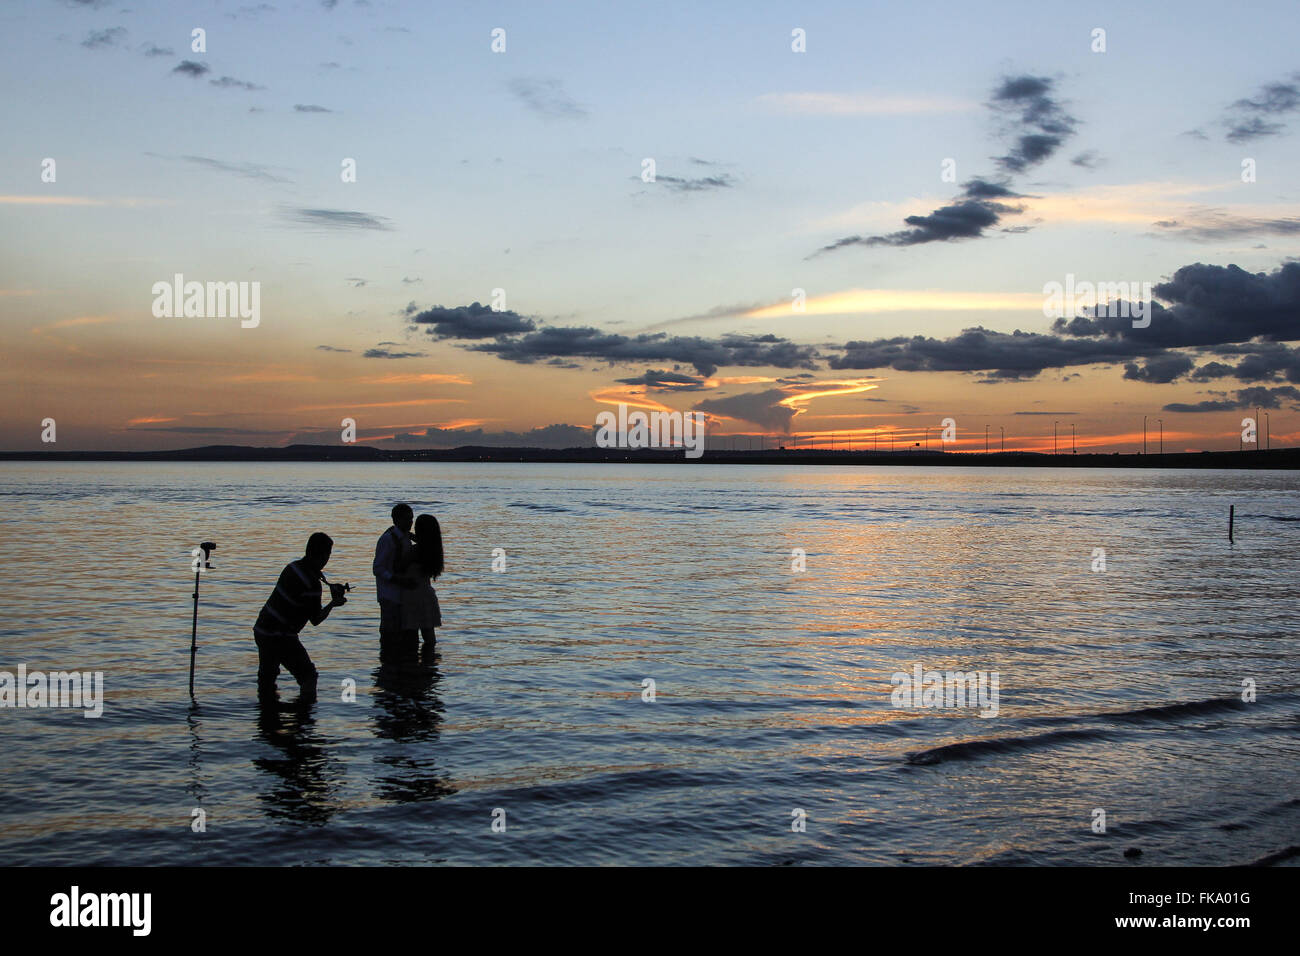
(294, 602)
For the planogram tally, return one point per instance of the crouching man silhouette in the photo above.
(295, 601)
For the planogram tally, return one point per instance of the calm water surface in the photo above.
(1119, 689)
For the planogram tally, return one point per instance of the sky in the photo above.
(487, 223)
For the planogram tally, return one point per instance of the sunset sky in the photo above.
(522, 171)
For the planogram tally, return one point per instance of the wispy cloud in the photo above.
(547, 98)
(334, 219)
(416, 378)
(245, 170)
(230, 83)
(1210, 225)
(1252, 117)
(100, 39)
(401, 404)
(701, 184)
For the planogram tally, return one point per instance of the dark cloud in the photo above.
(983, 189)
(309, 108)
(335, 219)
(386, 354)
(473, 321)
(1005, 356)
(1243, 131)
(547, 98)
(330, 348)
(758, 408)
(663, 381)
(149, 49)
(705, 355)
(1160, 369)
(191, 68)
(1088, 159)
(1038, 126)
(99, 39)
(1255, 397)
(1260, 362)
(1246, 117)
(1209, 305)
(1038, 122)
(1219, 309)
(962, 220)
(1211, 371)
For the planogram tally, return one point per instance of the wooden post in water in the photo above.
(1231, 509)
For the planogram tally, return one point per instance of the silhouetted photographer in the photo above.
(295, 601)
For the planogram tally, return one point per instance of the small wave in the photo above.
(1190, 708)
(970, 749)
(1278, 856)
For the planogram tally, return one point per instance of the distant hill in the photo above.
(1288, 458)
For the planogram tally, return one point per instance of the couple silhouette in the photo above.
(406, 564)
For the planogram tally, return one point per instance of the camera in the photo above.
(207, 547)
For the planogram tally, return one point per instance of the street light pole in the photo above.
(986, 439)
(1162, 435)
(1144, 434)
(1053, 437)
(1004, 437)
(1073, 450)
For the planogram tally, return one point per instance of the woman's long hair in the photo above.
(428, 544)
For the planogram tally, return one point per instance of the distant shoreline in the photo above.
(1283, 458)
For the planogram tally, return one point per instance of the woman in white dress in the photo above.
(420, 611)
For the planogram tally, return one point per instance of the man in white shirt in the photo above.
(392, 555)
